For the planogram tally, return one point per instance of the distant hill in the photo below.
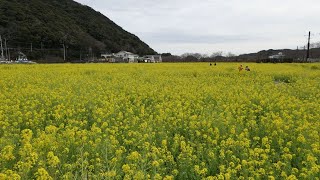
(261, 56)
(50, 23)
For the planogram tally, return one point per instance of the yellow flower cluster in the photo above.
(159, 121)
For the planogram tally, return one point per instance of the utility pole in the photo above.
(308, 50)
(41, 46)
(9, 57)
(64, 39)
(2, 58)
(64, 52)
(90, 54)
(297, 54)
(6, 48)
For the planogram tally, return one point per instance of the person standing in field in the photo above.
(240, 68)
(247, 68)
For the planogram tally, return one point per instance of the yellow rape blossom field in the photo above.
(160, 121)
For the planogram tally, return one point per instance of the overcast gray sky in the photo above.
(206, 26)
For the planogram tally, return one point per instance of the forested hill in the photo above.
(50, 23)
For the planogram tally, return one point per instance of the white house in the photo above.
(280, 55)
(122, 56)
(127, 56)
(153, 58)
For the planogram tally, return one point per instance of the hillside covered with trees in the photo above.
(47, 25)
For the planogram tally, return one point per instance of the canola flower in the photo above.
(159, 121)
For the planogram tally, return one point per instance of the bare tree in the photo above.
(230, 54)
(185, 55)
(196, 55)
(315, 45)
(216, 54)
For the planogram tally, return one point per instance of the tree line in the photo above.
(290, 55)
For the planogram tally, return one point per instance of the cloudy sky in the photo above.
(206, 26)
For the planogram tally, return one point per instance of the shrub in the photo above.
(283, 78)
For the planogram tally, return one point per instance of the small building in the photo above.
(313, 60)
(127, 56)
(278, 56)
(122, 56)
(108, 57)
(22, 59)
(153, 58)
